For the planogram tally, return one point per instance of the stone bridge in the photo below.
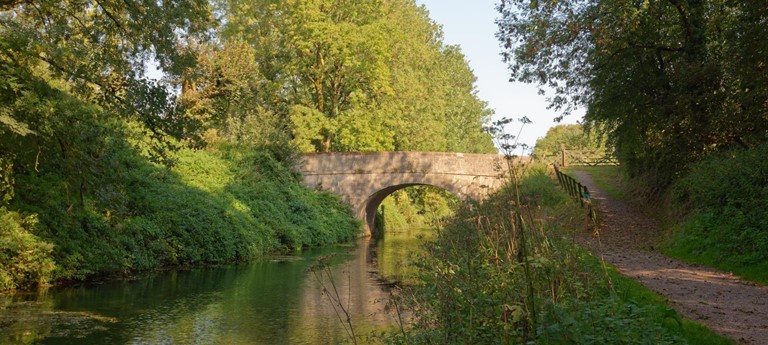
(364, 180)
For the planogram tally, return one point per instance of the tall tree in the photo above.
(97, 51)
(69, 69)
(658, 75)
(327, 56)
(360, 76)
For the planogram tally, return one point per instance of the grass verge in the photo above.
(609, 178)
(693, 332)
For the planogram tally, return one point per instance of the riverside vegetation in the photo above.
(679, 92)
(107, 167)
(712, 215)
(212, 207)
(508, 271)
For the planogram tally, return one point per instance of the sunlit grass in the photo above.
(681, 248)
(608, 178)
(693, 332)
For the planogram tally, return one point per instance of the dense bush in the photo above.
(24, 258)
(126, 213)
(504, 273)
(723, 198)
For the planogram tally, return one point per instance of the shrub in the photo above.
(25, 259)
(218, 205)
(724, 199)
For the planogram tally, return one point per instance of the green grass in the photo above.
(609, 179)
(684, 248)
(693, 332)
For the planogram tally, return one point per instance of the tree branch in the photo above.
(110, 15)
(58, 67)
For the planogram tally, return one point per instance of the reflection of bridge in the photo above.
(365, 179)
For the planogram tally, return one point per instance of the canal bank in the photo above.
(277, 300)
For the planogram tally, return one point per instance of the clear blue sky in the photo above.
(470, 24)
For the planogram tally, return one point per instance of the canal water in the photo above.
(275, 301)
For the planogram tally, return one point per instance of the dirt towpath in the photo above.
(726, 304)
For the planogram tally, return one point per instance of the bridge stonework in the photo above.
(364, 180)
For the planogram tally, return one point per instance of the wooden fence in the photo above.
(587, 158)
(575, 189)
(581, 158)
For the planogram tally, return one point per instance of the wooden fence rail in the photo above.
(587, 158)
(581, 158)
(575, 189)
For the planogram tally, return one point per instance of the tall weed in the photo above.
(502, 272)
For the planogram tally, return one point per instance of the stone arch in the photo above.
(363, 180)
(367, 210)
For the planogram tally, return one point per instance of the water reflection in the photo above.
(395, 251)
(270, 302)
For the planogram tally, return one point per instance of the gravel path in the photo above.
(726, 304)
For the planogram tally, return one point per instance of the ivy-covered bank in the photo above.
(212, 206)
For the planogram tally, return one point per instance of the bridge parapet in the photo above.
(400, 162)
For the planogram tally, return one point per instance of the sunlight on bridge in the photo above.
(364, 180)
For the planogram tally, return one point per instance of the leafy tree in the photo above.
(668, 80)
(361, 76)
(573, 137)
(102, 49)
(323, 55)
(227, 95)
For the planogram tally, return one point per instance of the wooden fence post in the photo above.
(562, 154)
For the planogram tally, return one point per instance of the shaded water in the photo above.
(275, 301)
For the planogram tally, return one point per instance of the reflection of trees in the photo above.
(238, 304)
(397, 249)
(266, 302)
(358, 290)
(30, 318)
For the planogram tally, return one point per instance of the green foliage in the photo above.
(103, 157)
(359, 76)
(25, 259)
(573, 137)
(417, 207)
(506, 274)
(679, 81)
(100, 53)
(106, 158)
(225, 94)
(606, 320)
(6, 180)
(108, 209)
(724, 200)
